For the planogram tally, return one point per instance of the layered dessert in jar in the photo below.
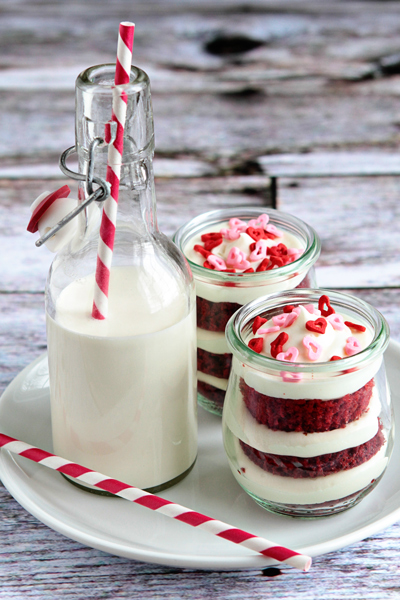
(307, 418)
(237, 256)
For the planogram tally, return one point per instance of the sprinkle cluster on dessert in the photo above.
(245, 247)
(306, 333)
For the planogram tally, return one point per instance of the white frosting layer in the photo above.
(287, 490)
(244, 426)
(212, 341)
(215, 292)
(217, 382)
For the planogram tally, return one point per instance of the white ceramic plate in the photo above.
(125, 529)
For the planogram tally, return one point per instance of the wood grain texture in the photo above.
(240, 91)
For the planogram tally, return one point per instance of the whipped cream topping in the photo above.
(237, 246)
(309, 334)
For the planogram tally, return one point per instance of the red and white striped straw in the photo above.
(160, 505)
(115, 149)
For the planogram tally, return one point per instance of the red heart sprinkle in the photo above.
(211, 237)
(44, 205)
(319, 325)
(279, 250)
(210, 244)
(258, 321)
(276, 261)
(252, 247)
(251, 270)
(256, 344)
(255, 234)
(208, 265)
(334, 357)
(288, 308)
(263, 266)
(355, 326)
(329, 310)
(278, 343)
(201, 250)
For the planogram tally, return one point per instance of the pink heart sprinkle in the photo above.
(291, 377)
(230, 234)
(237, 259)
(259, 223)
(260, 251)
(312, 310)
(352, 346)
(336, 321)
(237, 224)
(268, 330)
(272, 229)
(290, 355)
(217, 262)
(314, 349)
(286, 319)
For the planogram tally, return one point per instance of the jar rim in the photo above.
(261, 306)
(281, 219)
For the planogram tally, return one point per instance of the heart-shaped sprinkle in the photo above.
(285, 319)
(257, 323)
(256, 344)
(355, 326)
(260, 251)
(211, 237)
(273, 231)
(260, 222)
(352, 346)
(201, 250)
(217, 262)
(44, 205)
(290, 355)
(255, 234)
(237, 259)
(230, 234)
(289, 377)
(273, 329)
(278, 343)
(322, 302)
(318, 326)
(335, 357)
(237, 224)
(314, 349)
(336, 321)
(312, 310)
(263, 266)
(279, 250)
(212, 244)
(288, 308)
(251, 270)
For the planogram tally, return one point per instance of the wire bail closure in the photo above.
(98, 195)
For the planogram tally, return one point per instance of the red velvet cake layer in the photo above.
(211, 393)
(309, 416)
(218, 365)
(316, 466)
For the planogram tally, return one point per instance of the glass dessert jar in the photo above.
(307, 422)
(259, 252)
(123, 389)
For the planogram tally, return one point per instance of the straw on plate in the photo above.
(115, 150)
(156, 503)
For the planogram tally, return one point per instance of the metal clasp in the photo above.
(99, 195)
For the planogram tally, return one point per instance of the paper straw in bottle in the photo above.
(156, 503)
(115, 150)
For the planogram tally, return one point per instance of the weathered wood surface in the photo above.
(241, 91)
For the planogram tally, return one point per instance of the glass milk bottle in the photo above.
(123, 389)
